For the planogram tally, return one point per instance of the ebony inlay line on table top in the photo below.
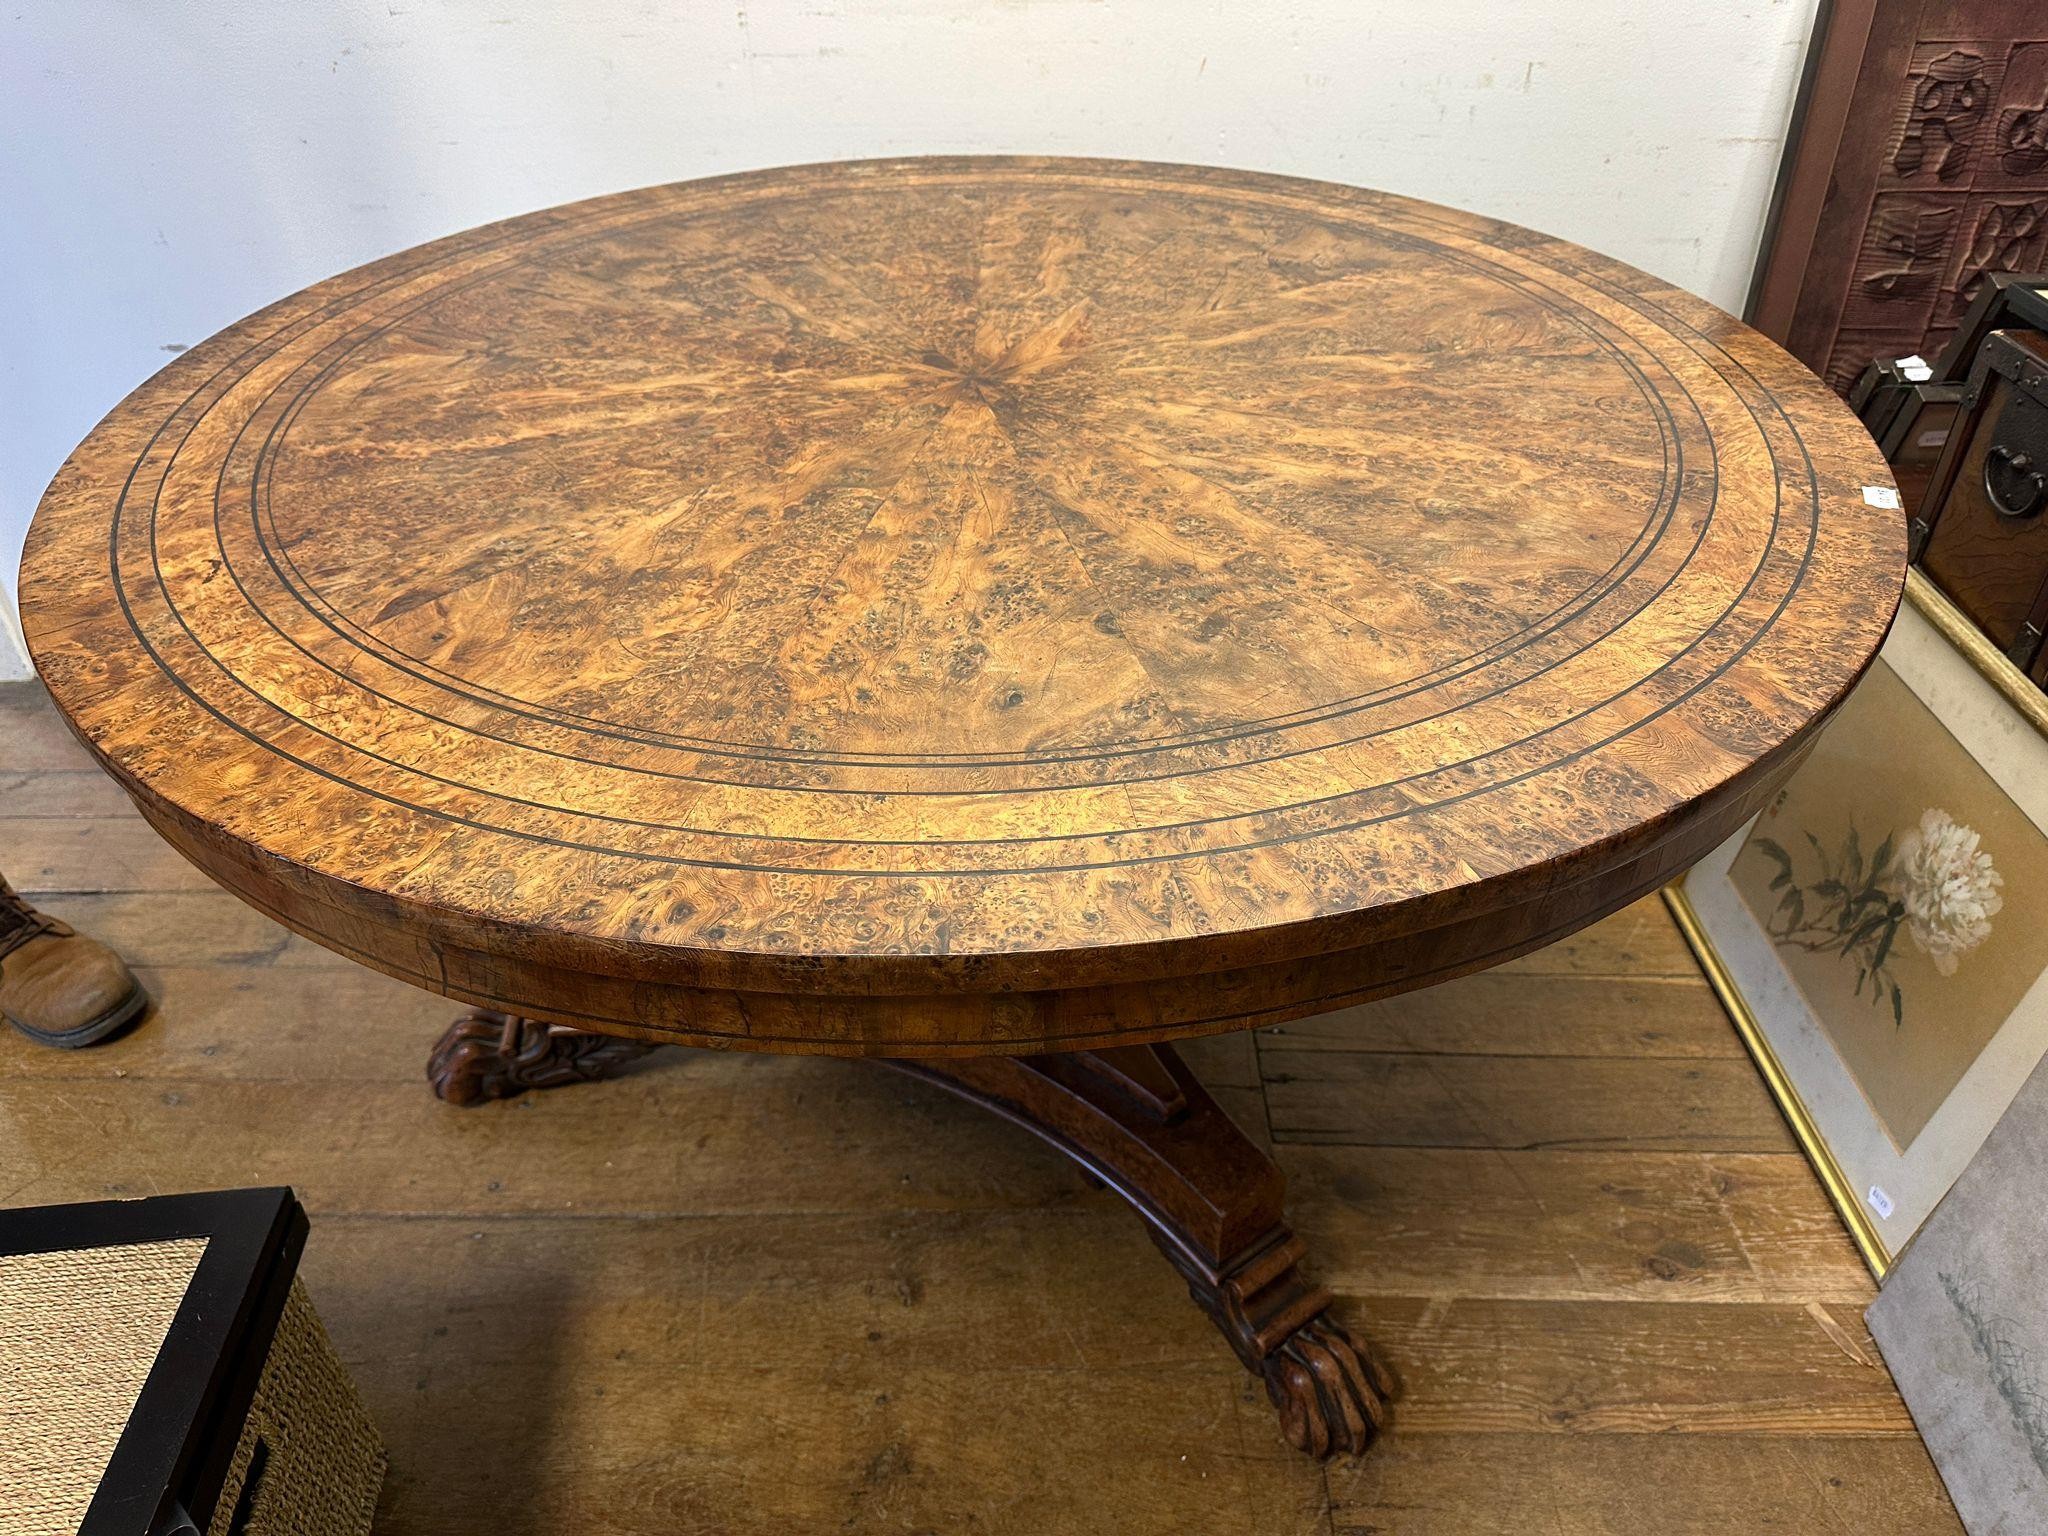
(279, 557)
(973, 562)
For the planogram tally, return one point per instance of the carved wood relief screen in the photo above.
(1918, 164)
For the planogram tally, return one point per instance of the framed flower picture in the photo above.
(1877, 931)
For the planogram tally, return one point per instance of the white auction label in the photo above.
(1882, 496)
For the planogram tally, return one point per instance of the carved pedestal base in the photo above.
(488, 1055)
(1136, 1119)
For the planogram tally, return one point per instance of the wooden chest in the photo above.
(1986, 520)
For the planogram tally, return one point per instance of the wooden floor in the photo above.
(747, 1293)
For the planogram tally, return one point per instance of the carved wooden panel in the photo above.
(1897, 202)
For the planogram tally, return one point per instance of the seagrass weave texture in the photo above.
(322, 1459)
(79, 1331)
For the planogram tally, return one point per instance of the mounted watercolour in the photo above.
(1873, 926)
(1874, 877)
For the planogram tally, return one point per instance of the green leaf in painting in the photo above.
(1826, 867)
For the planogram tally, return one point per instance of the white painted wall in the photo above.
(167, 167)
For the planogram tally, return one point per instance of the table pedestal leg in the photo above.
(1136, 1118)
(487, 1055)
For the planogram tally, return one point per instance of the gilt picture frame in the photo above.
(1874, 933)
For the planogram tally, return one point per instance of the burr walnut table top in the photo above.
(931, 605)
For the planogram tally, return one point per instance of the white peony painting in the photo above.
(1876, 932)
(1933, 880)
(1946, 888)
(1882, 875)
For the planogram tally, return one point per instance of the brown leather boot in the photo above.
(59, 987)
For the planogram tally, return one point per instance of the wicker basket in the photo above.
(163, 1373)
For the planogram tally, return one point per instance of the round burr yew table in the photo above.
(990, 616)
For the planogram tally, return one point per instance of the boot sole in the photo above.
(92, 1032)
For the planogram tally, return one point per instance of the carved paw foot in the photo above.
(487, 1056)
(1332, 1395)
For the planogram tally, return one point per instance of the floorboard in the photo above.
(734, 1293)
